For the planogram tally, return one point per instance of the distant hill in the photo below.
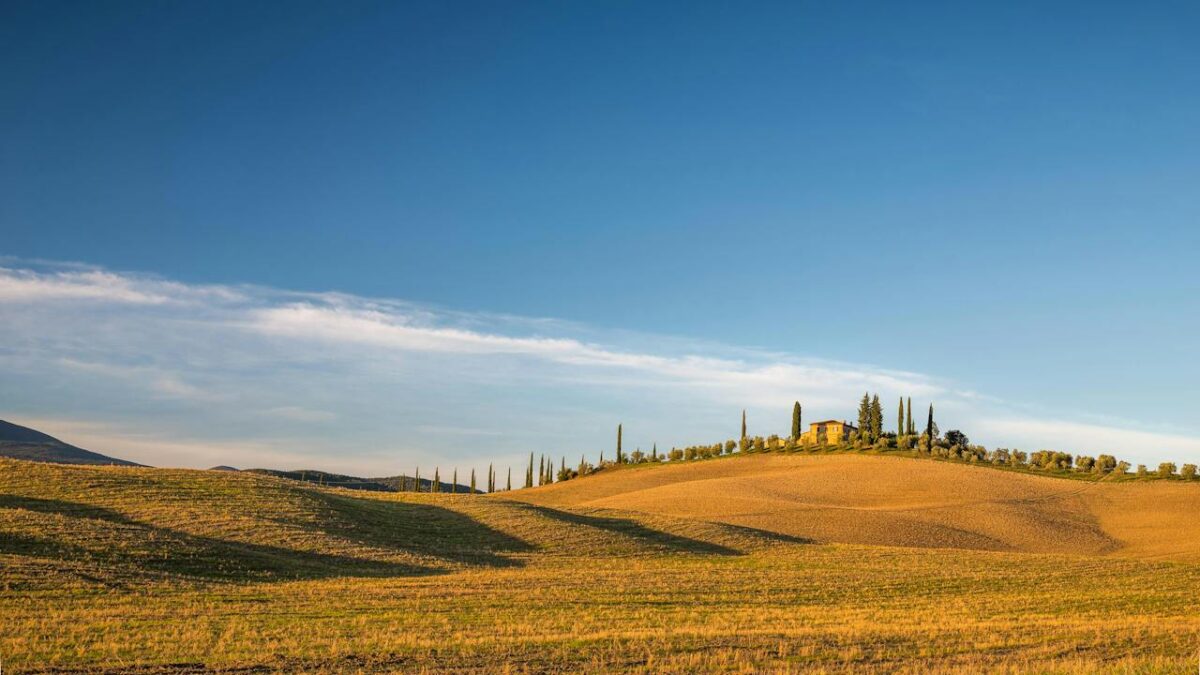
(222, 467)
(21, 442)
(387, 484)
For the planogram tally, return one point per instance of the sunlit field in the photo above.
(109, 569)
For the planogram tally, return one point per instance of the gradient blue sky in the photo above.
(1001, 199)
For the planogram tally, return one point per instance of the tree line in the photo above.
(870, 435)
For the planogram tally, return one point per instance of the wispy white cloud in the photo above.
(298, 414)
(144, 444)
(95, 285)
(249, 375)
(1092, 439)
(155, 380)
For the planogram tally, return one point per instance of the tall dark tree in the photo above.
(491, 479)
(929, 426)
(417, 480)
(864, 415)
(796, 420)
(454, 482)
(620, 454)
(472, 482)
(542, 470)
(654, 452)
(900, 420)
(743, 424)
(876, 419)
(909, 427)
(529, 473)
(509, 479)
(437, 480)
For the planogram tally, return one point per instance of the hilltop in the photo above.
(900, 501)
(20, 442)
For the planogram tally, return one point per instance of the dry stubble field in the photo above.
(147, 570)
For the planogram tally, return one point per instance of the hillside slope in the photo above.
(66, 525)
(897, 501)
(20, 442)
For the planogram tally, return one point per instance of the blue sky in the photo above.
(997, 203)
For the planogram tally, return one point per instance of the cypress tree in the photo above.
(876, 419)
(417, 480)
(454, 482)
(619, 453)
(743, 424)
(909, 427)
(491, 482)
(529, 472)
(864, 415)
(472, 482)
(437, 480)
(542, 470)
(582, 465)
(796, 420)
(509, 479)
(654, 452)
(563, 470)
(929, 426)
(900, 420)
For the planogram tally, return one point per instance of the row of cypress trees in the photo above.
(870, 424)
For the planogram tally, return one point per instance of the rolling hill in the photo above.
(20, 442)
(108, 522)
(899, 501)
(714, 566)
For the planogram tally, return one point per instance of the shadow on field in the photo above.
(61, 508)
(99, 535)
(636, 530)
(420, 529)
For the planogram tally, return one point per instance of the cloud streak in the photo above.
(331, 380)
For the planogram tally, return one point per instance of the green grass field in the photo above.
(150, 570)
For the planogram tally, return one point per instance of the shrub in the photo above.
(1166, 469)
(956, 437)
(1051, 460)
(676, 454)
(729, 446)
(1122, 468)
(1141, 471)
(1084, 464)
(1188, 471)
(1105, 464)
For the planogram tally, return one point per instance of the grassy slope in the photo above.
(118, 567)
(901, 501)
(117, 524)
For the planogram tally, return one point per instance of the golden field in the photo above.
(742, 564)
(905, 501)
